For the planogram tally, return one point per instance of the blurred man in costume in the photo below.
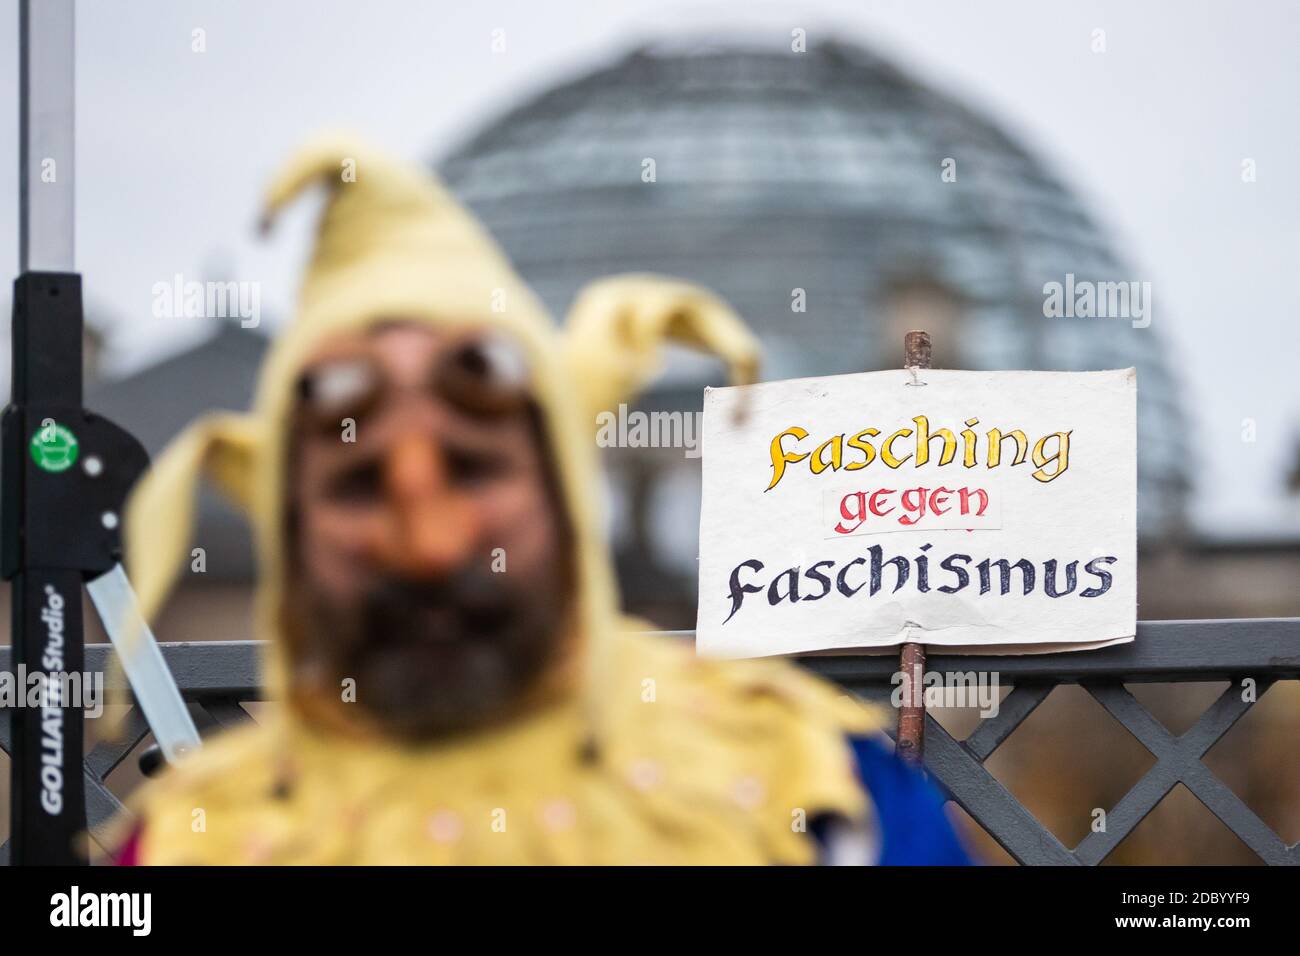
(437, 597)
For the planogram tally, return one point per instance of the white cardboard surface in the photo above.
(1082, 516)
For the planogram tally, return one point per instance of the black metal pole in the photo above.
(38, 437)
(41, 556)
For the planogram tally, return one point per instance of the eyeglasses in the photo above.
(484, 376)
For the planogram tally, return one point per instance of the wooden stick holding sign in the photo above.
(911, 659)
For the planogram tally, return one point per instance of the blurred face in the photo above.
(430, 559)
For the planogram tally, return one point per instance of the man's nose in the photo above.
(432, 526)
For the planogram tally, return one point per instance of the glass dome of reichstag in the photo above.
(774, 172)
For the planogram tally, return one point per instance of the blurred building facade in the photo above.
(817, 174)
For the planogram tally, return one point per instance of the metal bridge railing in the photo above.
(218, 678)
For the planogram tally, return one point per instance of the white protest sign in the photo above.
(988, 511)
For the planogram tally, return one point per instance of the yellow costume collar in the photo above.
(704, 763)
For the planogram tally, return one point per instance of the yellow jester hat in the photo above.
(393, 242)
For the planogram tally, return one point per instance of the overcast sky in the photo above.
(174, 147)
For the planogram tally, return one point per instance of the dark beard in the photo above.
(433, 657)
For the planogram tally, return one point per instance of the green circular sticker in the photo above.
(54, 447)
